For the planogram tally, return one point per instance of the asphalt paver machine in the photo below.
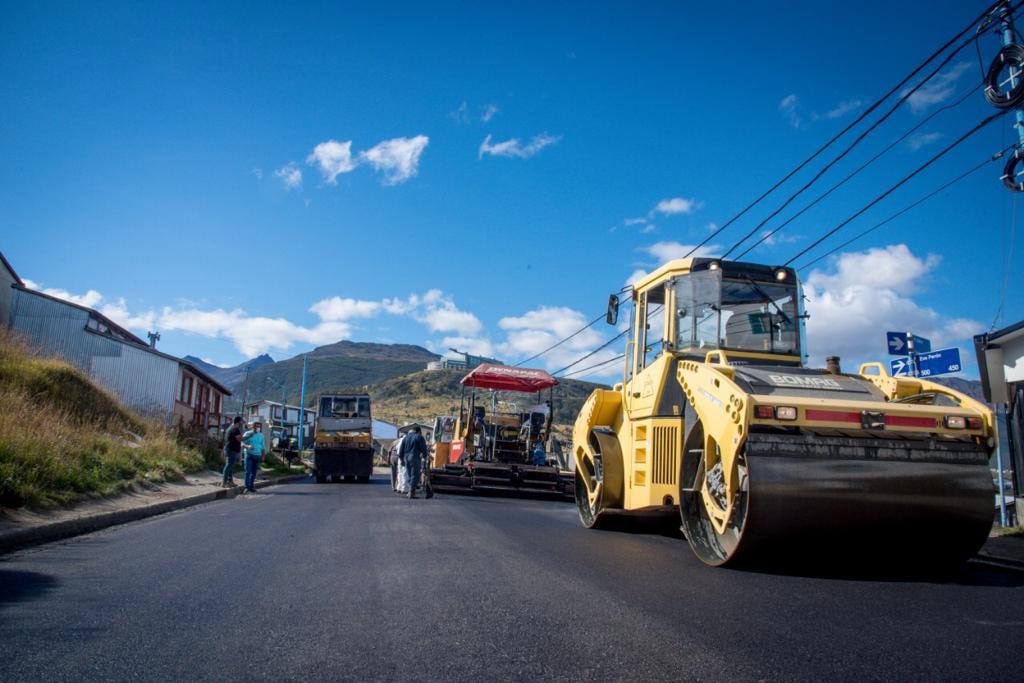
(717, 420)
(498, 445)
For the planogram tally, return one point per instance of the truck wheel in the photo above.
(320, 478)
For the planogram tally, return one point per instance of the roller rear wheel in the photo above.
(713, 513)
(588, 504)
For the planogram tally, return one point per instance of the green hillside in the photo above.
(421, 396)
(336, 367)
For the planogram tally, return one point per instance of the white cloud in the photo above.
(676, 205)
(258, 172)
(648, 228)
(667, 251)
(472, 345)
(938, 89)
(542, 327)
(332, 158)
(337, 308)
(489, 112)
(398, 159)
(790, 108)
(290, 175)
(89, 299)
(461, 114)
(867, 293)
(916, 142)
(514, 148)
(636, 276)
(252, 335)
(634, 221)
(843, 108)
(445, 316)
(118, 312)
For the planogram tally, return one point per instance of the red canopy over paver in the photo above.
(508, 378)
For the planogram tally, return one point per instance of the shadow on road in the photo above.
(18, 586)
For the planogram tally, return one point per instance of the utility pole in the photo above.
(999, 471)
(1007, 92)
(912, 356)
(302, 403)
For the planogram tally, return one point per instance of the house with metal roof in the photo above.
(146, 380)
(1001, 368)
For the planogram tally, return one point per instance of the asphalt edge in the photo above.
(57, 531)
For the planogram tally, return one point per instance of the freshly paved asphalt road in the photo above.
(351, 582)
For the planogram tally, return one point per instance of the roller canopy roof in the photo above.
(508, 378)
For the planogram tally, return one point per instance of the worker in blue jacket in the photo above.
(252, 442)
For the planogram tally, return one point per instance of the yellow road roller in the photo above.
(718, 420)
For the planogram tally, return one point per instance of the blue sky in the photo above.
(258, 177)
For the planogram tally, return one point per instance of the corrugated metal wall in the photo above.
(143, 381)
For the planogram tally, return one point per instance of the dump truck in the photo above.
(719, 421)
(343, 441)
(497, 446)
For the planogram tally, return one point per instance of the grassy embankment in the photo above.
(63, 439)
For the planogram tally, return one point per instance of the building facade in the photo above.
(278, 415)
(145, 380)
(1001, 367)
(455, 360)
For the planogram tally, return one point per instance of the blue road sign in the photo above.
(897, 343)
(941, 362)
(899, 367)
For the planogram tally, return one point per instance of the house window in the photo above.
(277, 412)
(216, 403)
(186, 390)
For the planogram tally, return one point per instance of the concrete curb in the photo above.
(47, 533)
(998, 559)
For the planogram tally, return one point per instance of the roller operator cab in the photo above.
(343, 444)
(718, 420)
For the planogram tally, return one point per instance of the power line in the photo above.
(594, 367)
(984, 122)
(849, 148)
(768, 235)
(845, 130)
(907, 208)
(588, 355)
(562, 341)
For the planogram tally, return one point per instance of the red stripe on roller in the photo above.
(832, 416)
(904, 421)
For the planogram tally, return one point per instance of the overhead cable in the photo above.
(918, 202)
(771, 233)
(984, 122)
(867, 112)
(562, 341)
(594, 367)
(591, 353)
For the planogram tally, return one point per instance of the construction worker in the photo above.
(252, 442)
(397, 466)
(413, 451)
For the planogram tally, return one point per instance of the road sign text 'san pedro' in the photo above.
(343, 444)
(718, 421)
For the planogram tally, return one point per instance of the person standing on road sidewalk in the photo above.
(232, 451)
(413, 452)
(397, 467)
(253, 443)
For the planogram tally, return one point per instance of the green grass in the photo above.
(63, 439)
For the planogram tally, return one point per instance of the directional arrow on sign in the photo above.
(897, 342)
